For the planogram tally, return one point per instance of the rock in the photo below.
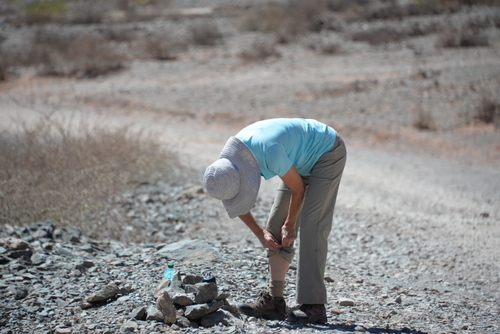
(41, 230)
(205, 292)
(107, 292)
(220, 317)
(398, 300)
(173, 287)
(24, 253)
(197, 311)
(14, 244)
(359, 329)
(166, 306)
(139, 313)
(192, 279)
(153, 313)
(20, 293)
(329, 279)
(336, 311)
(183, 299)
(38, 258)
(70, 234)
(63, 331)
(193, 251)
(183, 322)
(346, 302)
(129, 326)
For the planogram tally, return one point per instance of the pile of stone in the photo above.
(184, 300)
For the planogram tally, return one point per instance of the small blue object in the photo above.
(169, 272)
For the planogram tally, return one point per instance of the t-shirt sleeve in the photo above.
(277, 160)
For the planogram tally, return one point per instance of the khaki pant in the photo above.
(315, 223)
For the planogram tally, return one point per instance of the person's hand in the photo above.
(288, 234)
(269, 241)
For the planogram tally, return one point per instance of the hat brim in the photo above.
(248, 168)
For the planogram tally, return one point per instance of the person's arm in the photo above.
(293, 181)
(265, 237)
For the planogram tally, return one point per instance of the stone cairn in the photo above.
(185, 300)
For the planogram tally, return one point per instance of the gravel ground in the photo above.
(415, 240)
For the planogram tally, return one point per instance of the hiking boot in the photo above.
(309, 313)
(267, 307)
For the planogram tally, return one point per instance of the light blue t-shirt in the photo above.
(281, 143)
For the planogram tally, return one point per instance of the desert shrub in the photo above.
(83, 56)
(45, 11)
(161, 47)
(463, 38)
(287, 20)
(488, 111)
(345, 5)
(424, 120)
(63, 170)
(379, 36)
(259, 51)
(205, 34)
(326, 47)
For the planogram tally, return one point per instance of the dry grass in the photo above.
(259, 51)
(287, 20)
(488, 112)
(55, 171)
(424, 120)
(207, 34)
(463, 39)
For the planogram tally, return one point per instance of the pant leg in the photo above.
(316, 223)
(277, 217)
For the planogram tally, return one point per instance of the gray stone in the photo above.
(207, 292)
(194, 251)
(198, 311)
(139, 313)
(192, 279)
(346, 302)
(220, 317)
(153, 313)
(173, 287)
(41, 229)
(183, 322)
(14, 244)
(107, 292)
(129, 326)
(183, 299)
(166, 306)
(38, 258)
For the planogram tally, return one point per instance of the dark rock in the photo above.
(192, 279)
(166, 306)
(205, 292)
(139, 313)
(20, 293)
(183, 299)
(25, 254)
(107, 292)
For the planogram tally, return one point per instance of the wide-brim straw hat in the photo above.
(234, 178)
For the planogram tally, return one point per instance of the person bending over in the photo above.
(309, 157)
